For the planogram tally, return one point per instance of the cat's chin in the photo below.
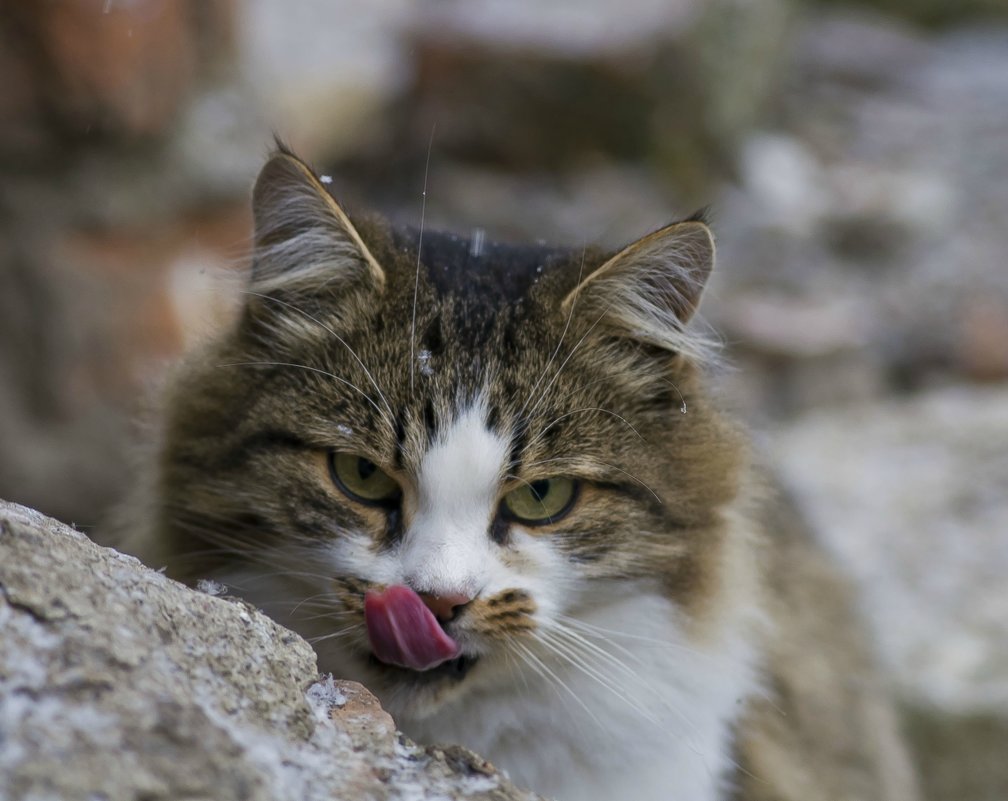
(416, 694)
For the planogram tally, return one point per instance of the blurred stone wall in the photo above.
(102, 210)
(853, 156)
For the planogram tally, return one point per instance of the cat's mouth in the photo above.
(405, 636)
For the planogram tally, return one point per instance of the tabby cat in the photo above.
(487, 482)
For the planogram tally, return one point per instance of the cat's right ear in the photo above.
(303, 239)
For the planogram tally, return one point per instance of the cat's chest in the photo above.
(638, 710)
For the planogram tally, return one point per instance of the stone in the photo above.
(119, 683)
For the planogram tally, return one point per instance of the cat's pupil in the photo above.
(540, 488)
(365, 468)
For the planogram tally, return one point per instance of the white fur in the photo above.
(446, 549)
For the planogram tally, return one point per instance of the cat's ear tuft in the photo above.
(302, 236)
(650, 290)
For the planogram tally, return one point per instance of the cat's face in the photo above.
(431, 469)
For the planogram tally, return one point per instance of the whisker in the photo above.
(313, 598)
(313, 370)
(337, 337)
(329, 614)
(598, 631)
(556, 375)
(584, 642)
(570, 316)
(416, 280)
(336, 634)
(579, 661)
(538, 437)
(682, 400)
(524, 649)
(513, 668)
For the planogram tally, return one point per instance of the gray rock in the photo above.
(118, 683)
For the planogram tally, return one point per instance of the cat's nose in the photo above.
(446, 606)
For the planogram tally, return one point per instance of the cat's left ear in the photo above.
(302, 236)
(650, 289)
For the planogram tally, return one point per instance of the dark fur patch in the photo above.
(499, 273)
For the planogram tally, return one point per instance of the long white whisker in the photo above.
(337, 337)
(538, 437)
(336, 634)
(556, 375)
(556, 350)
(326, 373)
(515, 671)
(560, 682)
(598, 632)
(313, 600)
(585, 643)
(578, 660)
(521, 652)
(416, 280)
(634, 702)
(329, 614)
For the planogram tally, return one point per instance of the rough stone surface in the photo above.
(118, 683)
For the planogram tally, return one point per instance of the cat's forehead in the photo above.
(475, 268)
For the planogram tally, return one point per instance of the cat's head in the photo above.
(492, 438)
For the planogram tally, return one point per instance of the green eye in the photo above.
(541, 502)
(362, 479)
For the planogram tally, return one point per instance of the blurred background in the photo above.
(854, 154)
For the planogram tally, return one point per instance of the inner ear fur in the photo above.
(650, 289)
(302, 235)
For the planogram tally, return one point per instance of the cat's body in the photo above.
(488, 483)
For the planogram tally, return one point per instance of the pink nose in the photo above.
(444, 606)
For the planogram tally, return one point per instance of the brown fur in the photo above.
(826, 729)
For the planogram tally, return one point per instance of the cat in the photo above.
(488, 482)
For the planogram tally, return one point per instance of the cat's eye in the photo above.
(541, 502)
(361, 479)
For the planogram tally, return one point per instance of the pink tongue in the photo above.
(404, 632)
